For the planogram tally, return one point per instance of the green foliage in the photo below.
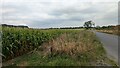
(18, 41)
(88, 24)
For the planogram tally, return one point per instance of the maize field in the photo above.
(18, 41)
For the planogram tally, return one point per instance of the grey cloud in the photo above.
(53, 23)
(74, 14)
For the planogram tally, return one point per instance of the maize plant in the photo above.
(19, 41)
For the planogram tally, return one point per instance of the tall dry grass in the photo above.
(112, 30)
(72, 43)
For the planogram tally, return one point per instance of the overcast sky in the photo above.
(59, 13)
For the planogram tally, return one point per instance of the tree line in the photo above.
(20, 26)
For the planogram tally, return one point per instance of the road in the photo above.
(110, 43)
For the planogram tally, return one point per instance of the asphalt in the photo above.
(110, 44)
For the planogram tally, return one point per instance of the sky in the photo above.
(58, 13)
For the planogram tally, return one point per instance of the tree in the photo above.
(98, 27)
(88, 24)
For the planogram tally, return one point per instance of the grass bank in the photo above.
(114, 32)
(110, 29)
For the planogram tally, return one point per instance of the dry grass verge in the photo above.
(114, 32)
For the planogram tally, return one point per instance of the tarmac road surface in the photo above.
(110, 43)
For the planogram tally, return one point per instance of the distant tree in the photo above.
(97, 27)
(93, 24)
(104, 27)
(88, 24)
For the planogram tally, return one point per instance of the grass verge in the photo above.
(114, 32)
